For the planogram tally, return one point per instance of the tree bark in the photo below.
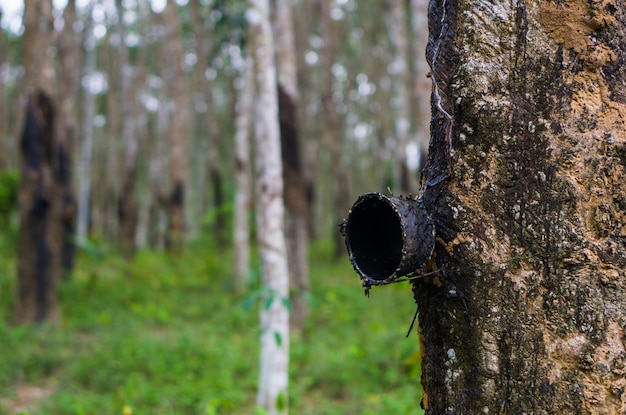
(333, 136)
(39, 245)
(273, 382)
(178, 128)
(86, 142)
(127, 209)
(37, 38)
(66, 126)
(421, 83)
(209, 124)
(41, 189)
(5, 140)
(527, 313)
(404, 178)
(243, 179)
(296, 203)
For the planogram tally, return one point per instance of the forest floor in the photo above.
(167, 335)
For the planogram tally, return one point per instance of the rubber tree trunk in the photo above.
(6, 146)
(404, 180)
(40, 200)
(333, 123)
(296, 186)
(421, 83)
(296, 211)
(68, 87)
(243, 179)
(178, 128)
(274, 312)
(127, 205)
(209, 125)
(84, 213)
(525, 183)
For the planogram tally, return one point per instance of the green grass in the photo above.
(166, 335)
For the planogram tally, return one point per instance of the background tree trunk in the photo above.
(38, 36)
(525, 183)
(127, 209)
(66, 126)
(243, 178)
(296, 203)
(273, 382)
(178, 128)
(421, 83)
(39, 245)
(404, 180)
(86, 143)
(5, 140)
(333, 132)
(209, 126)
(40, 192)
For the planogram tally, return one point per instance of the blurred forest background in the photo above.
(157, 308)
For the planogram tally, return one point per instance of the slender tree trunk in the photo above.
(178, 128)
(127, 209)
(305, 15)
(525, 181)
(137, 141)
(157, 154)
(112, 168)
(5, 139)
(86, 142)
(68, 94)
(333, 136)
(421, 83)
(243, 179)
(273, 382)
(210, 125)
(404, 178)
(296, 203)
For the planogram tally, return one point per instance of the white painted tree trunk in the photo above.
(243, 178)
(273, 381)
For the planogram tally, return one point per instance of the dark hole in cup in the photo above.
(374, 238)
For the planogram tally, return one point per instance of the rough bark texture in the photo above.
(273, 380)
(39, 244)
(525, 183)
